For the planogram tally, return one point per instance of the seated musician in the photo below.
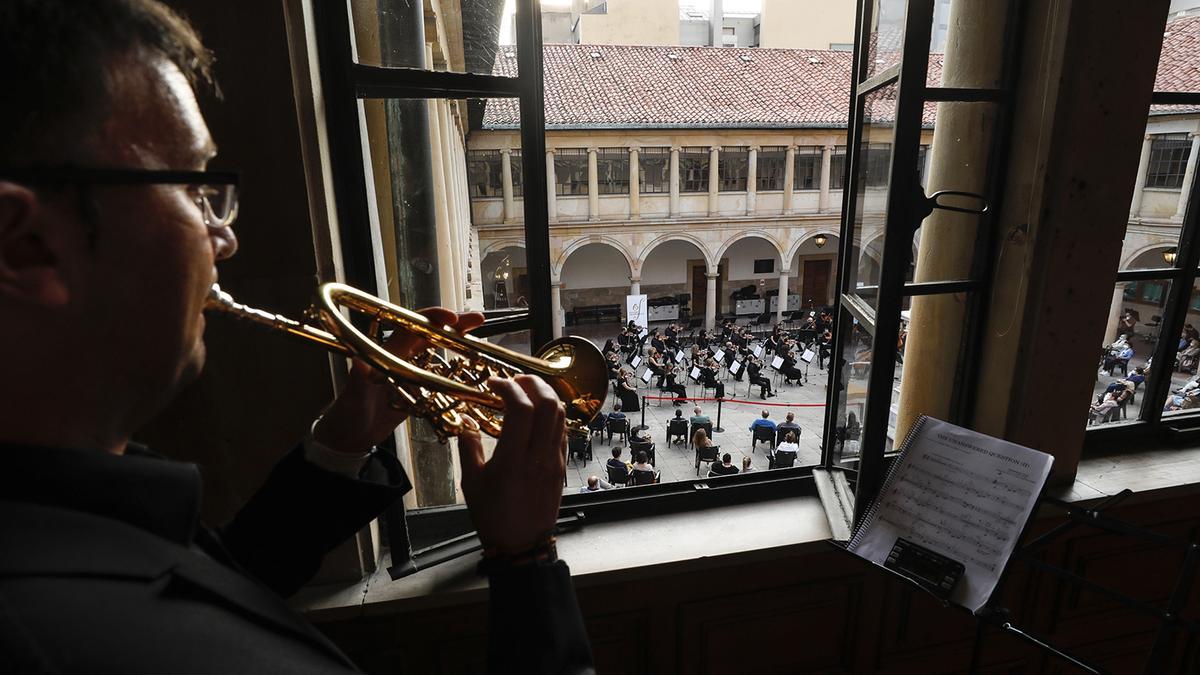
(657, 342)
(730, 353)
(789, 369)
(754, 367)
(609, 348)
(708, 376)
(672, 384)
(107, 566)
(655, 363)
(613, 361)
(627, 392)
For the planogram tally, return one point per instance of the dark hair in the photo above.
(641, 457)
(56, 58)
(617, 406)
(617, 452)
(726, 458)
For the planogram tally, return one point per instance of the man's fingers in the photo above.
(469, 321)
(470, 457)
(547, 418)
(518, 419)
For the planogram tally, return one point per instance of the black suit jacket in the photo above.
(104, 567)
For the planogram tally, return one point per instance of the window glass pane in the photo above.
(870, 204)
(1129, 341)
(442, 238)
(654, 170)
(851, 401)
(396, 33)
(837, 168)
(612, 171)
(734, 168)
(571, 171)
(1185, 385)
(518, 179)
(771, 170)
(956, 159)
(807, 174)
(1168, 160)
(693, 169)
(886, 38)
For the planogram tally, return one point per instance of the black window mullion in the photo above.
(1175, 312)
(900, 221)
(533, 168)
(381, 82)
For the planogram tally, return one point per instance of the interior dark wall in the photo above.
(259, 392)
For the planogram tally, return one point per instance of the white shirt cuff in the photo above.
(341, 463)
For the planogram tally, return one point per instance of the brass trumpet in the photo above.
(451, 391)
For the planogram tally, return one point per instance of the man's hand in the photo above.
(514, 497)
(362, 415)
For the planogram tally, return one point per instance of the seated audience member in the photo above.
(1189, 356)
(108, 250)
(1138, 376)
(642, 463)
(748, 465)
(700, 439)
(1127, 325)
(726, 466)
(698, 417)
(615, 461)
(615, 416)
(595, 484)
(1101, 410)
(789, 444)
(1119, 353)
(763, 422)
(789, 424)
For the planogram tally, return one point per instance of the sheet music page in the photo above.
(758, 351)
(777, 362)
(962, 494)
(807, 356)
(678, 357)
(735, 367)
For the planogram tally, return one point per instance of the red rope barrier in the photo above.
(735, 400)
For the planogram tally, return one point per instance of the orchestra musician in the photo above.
(627, 392)
(708, 376)
(754, 367)
(672, 383)
(655, 363)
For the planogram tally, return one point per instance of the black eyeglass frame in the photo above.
(118, 176)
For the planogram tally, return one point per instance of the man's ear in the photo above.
(30, 265)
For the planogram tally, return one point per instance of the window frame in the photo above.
(771, 155)
(1158, 178)
(733, 168)
(567, 183)
(613, 183)
(697, 176)
(662, 154)
(813, 156)
(485, 158)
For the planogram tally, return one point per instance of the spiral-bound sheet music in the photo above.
(960, 494)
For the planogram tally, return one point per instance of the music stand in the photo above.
(807, 357)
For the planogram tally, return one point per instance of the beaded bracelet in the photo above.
(544, 553)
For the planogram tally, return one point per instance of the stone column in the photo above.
(551, 187)
(556, 309)
(752, 181)
(1114, 314)
(1188, 174)
(635, 192)
(710, 302)
(789, 177)
(635, 285)
(962, 138)
(1143, 167)
(593, 187)
(825, 179)
(674, 181)
(714, 203)
(507, 184)
(783, 295)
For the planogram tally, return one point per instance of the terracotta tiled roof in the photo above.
(1179, 65)
(631, 87)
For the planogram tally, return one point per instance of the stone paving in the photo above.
(676, 461)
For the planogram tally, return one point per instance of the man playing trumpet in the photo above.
(110, 229)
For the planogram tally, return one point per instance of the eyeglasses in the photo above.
(214, 192)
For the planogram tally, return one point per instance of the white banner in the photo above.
(635, 310)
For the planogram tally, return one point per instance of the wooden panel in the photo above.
(808, 627)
